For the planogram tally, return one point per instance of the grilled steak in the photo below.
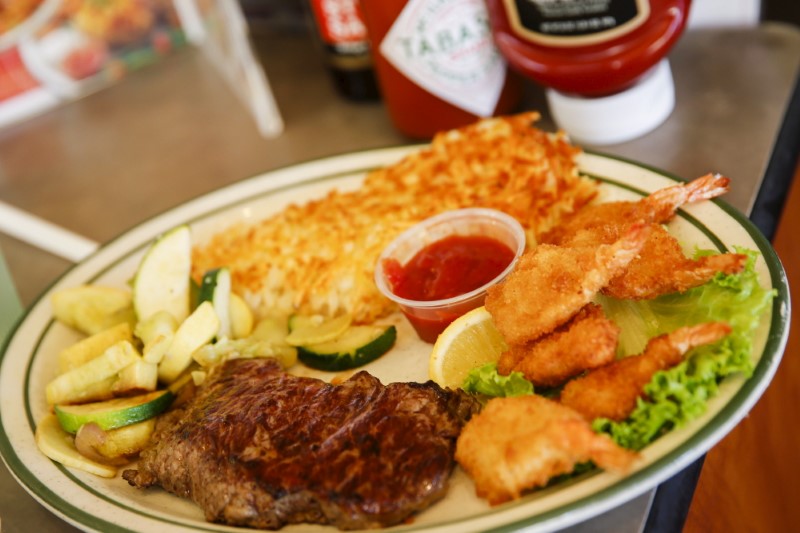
(261, 448)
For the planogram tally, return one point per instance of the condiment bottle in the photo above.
(344, 36)
(436, 64)
(601, 60)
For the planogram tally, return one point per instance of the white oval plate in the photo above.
(93, 503)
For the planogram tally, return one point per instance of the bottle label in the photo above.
(446, 47)
(575, 22)
(341, 26)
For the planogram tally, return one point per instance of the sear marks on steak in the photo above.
(261, 448)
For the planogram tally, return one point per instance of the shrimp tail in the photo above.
(620, 253)
(613, 258)
(684, 339)
(663, 203)
(707, 187)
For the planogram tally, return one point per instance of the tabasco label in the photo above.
(445, 47)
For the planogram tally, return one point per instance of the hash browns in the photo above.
(319, 257)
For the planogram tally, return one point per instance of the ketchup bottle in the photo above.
(436, 63)
(602, 60)
(344, 36)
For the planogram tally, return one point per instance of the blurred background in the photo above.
(112, 42)
(266, 15)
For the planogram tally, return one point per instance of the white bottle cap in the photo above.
(618, 117)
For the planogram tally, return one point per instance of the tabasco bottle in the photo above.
(437, 65)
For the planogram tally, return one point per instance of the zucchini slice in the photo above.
(92, 379)
(216, 288)
(87, 349)
(162, 280)
(316, 329)
(270, 329)
(357, 346)
(92, 308)
(241, 317)
(197, 330)
(137, 378)
(114, 413)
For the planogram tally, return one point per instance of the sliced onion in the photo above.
(89, 437)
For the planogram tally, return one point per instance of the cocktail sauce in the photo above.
(447, 268)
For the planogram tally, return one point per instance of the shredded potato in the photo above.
(319, 257)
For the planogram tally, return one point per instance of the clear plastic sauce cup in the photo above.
(430, 317)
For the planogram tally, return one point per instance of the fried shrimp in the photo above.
(588, 340)
(520, 443)
(552, 283)
(662, 268)
(604, 223)
(612, 391)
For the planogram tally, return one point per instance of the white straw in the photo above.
(43, 234)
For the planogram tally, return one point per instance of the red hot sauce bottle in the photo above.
(436, 63)
(602, 60)
(341, 28)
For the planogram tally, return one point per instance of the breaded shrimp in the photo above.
(520, 443)
(606, 222)
(612, 391)
(588, 340)
(662, 268)
(552, 283)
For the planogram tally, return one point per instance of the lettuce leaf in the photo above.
(737, 299)
(485, 380)
(678, 395)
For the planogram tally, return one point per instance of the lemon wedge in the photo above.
(470, 341)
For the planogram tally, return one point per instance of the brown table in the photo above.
(174, 131)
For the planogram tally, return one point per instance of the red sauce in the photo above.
(446, 268)
(597, 68)
(449, 267)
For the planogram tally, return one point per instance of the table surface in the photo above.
(174, 131)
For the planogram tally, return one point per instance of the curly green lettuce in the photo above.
(485, 380)
(678, 395)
